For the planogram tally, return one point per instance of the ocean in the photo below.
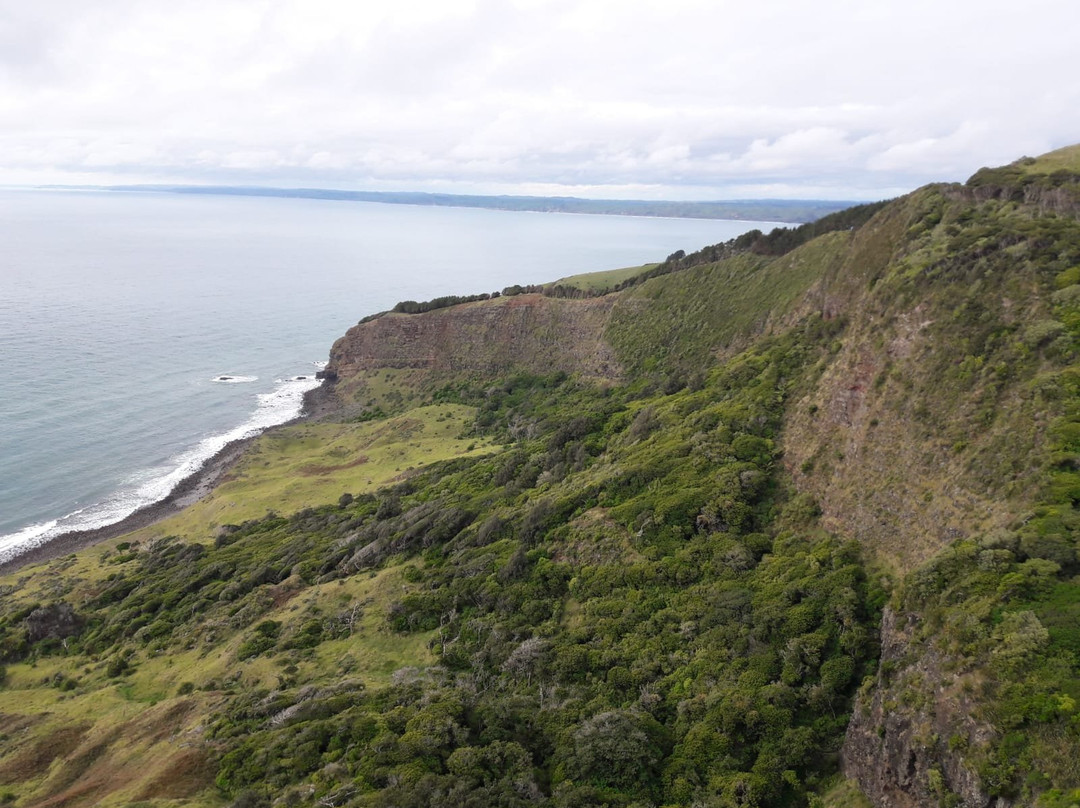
(140, 332)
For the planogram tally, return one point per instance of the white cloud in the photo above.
(683, 98)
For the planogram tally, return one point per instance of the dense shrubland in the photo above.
(624, 605)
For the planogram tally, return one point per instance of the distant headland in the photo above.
(768, 210)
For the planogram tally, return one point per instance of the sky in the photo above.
(617, 99)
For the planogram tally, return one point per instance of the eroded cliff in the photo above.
(530, 333)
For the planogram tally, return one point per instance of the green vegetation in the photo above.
(1005, 614)
(1003, 606)
(412, 307)
(1029, 178)
(1067, 159)
(777, 242)
(594, 612)
(673, 325)
(665, 588)
(313, 464)
(604, 281)
(845, 794)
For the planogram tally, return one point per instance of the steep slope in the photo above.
(927, 428)
(523, 333)
(944, 421)
(939, 433)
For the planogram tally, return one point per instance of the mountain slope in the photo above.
(660, 578)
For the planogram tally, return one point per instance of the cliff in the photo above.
(910, 752)
(524, 333)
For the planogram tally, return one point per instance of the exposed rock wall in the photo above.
(922, 430)
(906, 740)
(528, 332)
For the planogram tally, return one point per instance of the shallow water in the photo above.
(121, 314)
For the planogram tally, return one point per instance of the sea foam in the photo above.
(281, 404)
(228, 378)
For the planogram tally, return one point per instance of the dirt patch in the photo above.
(405, 475)
(70, 777)
(34, 762)
(161, 723)
(315, 471)
(186, 774)
(87, 792)
(94, 766)
(16, 722)
(286, 590)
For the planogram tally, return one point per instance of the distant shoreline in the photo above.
(778, 211)
(188, 491)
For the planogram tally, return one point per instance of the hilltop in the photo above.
(787, 521)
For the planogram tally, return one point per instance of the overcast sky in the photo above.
(677, 99)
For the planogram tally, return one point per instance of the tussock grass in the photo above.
(1067, 159)
(678, 322)
(845, 794)
(314, 464)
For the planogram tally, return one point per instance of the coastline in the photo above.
(194, 487)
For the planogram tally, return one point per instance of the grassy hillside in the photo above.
(603, 280)
(1067, 159)
(802, 507)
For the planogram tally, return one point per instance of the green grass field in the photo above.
(603, 280)
(1067, 158)
(134, 731)
(314, 464)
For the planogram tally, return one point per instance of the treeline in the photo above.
(1018, 176)
(413, 307)
(556, 290)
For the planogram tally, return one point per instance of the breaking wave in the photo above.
(281, 404)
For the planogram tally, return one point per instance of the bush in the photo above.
(117, 666)
(613, 749)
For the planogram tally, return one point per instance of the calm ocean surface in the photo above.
(118, 311)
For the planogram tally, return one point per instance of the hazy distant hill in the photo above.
(772, 210)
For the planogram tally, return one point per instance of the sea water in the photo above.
(141, 332)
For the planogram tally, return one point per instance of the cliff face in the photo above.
(931, 436)
(920, 431)
(906, 743)
(527, 332)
